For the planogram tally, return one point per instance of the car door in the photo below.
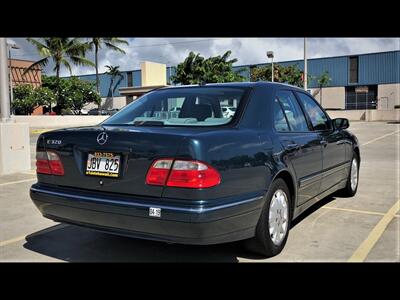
(333, 142)
(301, 145)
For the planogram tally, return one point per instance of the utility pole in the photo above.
(4, 83)
(305, 64)
(15, 153)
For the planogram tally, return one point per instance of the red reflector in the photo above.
(49, 163)
(193, 174)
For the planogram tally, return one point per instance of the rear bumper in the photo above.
(226, 221)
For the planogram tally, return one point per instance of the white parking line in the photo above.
(381, 137)
(18, 181)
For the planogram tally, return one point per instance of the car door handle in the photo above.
(323, 142)
(292, 146)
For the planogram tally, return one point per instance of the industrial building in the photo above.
(358, 82)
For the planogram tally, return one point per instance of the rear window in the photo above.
(194, 106)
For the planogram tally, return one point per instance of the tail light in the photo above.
(182, 173)
(158, 172)
(48, 162)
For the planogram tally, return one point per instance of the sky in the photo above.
(172, 51)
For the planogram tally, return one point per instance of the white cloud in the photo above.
(172, 51)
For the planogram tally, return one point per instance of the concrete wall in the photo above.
(366, 115)
(332, 97)
(153, 73)
(15, 153)
(59, 121)
(108, 103)
(388, 96)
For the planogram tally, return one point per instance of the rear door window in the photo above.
(280, 122)
(318, 118)
(292, 110)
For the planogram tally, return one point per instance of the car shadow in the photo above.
(312, 209)
(77, 244)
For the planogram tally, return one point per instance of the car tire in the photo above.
(265, 242)
(350, 190)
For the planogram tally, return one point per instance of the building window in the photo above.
(130, 79)
(361, 97)
(353, 69)
(129, 99)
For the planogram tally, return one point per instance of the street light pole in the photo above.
(4, 84)
(305, 64)
(272, 63)
(270, 54)
(11, 46)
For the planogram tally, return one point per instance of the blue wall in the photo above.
(379, 68)
(374, 68)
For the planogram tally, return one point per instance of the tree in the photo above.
(110, 43)
(323, 81)
(61, 51)
(114, 72)
(196, 69)
(74, 92)
(290, 74)
(77, 93)
(23, 102)
(44, 96)
(27, 98)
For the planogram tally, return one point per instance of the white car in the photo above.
(228, 111)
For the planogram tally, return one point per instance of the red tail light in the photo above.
(184, 173)
(48, 162)
(158, 172)
(42, 163)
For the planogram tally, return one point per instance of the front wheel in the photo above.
(352, 181)
(273, 226)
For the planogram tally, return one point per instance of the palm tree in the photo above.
(60, 51)
(114, 72)
(110, 43)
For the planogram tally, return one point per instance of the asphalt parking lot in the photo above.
(363, 228)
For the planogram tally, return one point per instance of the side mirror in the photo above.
(341, 123)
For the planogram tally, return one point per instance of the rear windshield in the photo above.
(191, 106)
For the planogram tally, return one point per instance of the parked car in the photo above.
(228, 111)
(201, 178)
(112, 111)
(95, 112)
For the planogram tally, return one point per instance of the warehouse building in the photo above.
(358, 82)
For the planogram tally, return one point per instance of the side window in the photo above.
(318, 118)
(292, 110)
(280, 122)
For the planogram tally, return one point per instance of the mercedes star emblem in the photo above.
(102, 138)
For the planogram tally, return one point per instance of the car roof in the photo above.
(237, 84)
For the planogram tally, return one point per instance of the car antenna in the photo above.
(203, 82)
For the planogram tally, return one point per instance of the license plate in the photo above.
(103, 164)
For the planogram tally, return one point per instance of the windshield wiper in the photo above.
(149, 123)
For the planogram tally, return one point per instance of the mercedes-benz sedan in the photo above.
(193, 175)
